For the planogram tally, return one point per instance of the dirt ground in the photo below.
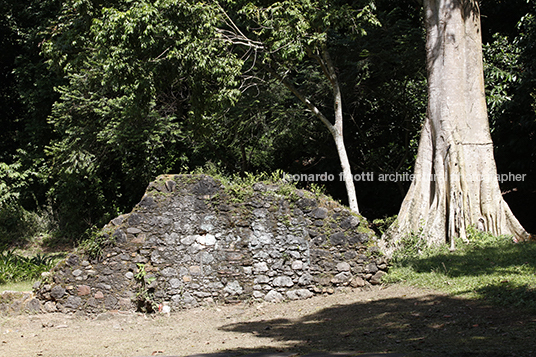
(388, 319)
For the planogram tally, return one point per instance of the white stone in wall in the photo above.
(273, 296)
(299, 294)
(175, 283)
(283, 281)
(260, 267)
(261, 279)
(258, 294)
(188, 240)
(233, 288)
(343, 266)
(207, 239)
(169, 272)
(297, 265)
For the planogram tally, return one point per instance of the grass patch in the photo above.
(239, 187)
(19, 286)
(489, 268)
(18, 268)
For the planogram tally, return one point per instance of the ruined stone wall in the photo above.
(191, 240)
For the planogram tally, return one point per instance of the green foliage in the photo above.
(11, 181)
(97, 241)
(25, 99)
(381, 225)
(18, 225)
(510, 65)
(318, 190)
(16, 268)
(142, 79)
(411, 246)
(17, 180)
(98, 98)
(482, 239)
(240, 185)
(145, 295)
(290, 29)
(501, 70)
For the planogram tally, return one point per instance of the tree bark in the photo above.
(337, 131)
(455, 180)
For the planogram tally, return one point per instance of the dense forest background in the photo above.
(98, 97)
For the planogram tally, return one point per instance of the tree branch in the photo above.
(303, 99)
(320, 62)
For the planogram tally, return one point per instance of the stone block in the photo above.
(57, 292)
(260, 267)
(338, 238)
(72, 302)
(257, 294)
(207, 239)
(343, 266)
(233, 288)
(297, 265)
(299, 294)
(341, 278)
(110, 302)
(319, 213)
(376, 278)
(195, 270)
(33, 305)
(350, 222)
(169, 272)
(175, 283)
(357, 282)
(49, 306)
(282, 281)
(273, 296)
(83, 290)
(132, 230)
(371, 268)
(305, 279)
(261, 279)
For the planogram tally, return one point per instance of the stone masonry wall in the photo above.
(191, 240)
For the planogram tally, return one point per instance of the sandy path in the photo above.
(395, 319)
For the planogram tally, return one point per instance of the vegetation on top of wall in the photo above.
(236, 191)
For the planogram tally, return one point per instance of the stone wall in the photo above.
(192, 240)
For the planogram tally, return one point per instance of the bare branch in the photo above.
(304, 100)
(235, 39)
(160, 55)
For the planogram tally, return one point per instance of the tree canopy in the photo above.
(101, 96)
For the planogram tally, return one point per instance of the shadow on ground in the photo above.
(480, 261)
(433, 325)
(508, 270)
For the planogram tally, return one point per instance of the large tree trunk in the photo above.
(455, 183)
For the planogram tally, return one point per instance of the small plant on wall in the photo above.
(145, 293)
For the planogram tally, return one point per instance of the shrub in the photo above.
(15, 267)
